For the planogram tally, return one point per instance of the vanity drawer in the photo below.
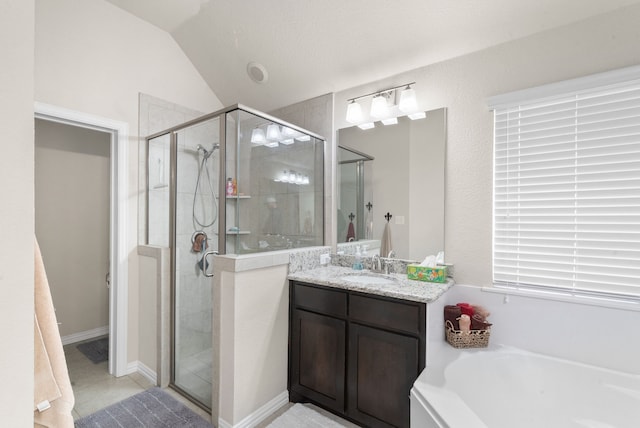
(405, 316)
(321, 300)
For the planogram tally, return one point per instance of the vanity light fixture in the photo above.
(304, 138)
(390, 121)
(287, 141)
(258, 136)
(381, 103)
(271, 144)
(367, 125)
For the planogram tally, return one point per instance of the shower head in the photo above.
(206, 153)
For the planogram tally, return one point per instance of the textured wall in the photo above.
(16, 212)
(463, 85)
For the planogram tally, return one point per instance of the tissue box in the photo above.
(430, 274)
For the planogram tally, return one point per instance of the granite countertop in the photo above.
(397, 286)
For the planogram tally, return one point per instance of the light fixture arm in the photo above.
(380, 92)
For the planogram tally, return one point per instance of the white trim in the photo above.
(119, 262)
(259, 415)
(144, 370)
(553, 90)
(600, 301)
(85, 335)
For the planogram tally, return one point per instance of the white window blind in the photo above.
(567, 192)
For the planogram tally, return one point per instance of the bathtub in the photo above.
(504, 387)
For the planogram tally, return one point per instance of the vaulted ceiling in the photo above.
(312, 47)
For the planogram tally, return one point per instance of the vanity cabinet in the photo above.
(355, 354)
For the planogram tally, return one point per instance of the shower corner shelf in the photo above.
(237, 196)
(238, 232)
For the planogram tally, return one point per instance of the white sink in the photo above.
(363, 278)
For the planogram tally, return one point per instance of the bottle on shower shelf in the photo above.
(230, 186)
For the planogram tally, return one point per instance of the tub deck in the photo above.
(507, 387)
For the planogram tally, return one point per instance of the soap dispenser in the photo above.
(357, 264)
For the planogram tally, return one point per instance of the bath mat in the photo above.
(300, 416)
(152, 408)
(96, 350)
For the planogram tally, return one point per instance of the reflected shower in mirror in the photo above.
(406, 179)
(355, 220)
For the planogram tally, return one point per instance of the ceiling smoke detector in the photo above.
(257, 72)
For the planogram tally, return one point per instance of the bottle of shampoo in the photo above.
(229, 186)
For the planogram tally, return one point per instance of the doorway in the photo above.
(117, 133)
(72, 221)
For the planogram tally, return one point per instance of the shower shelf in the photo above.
(238, 196)
(237, 232)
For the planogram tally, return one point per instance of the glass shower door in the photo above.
(195, 239)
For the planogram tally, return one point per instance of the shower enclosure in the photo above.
(233, 182)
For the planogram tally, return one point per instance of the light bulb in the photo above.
(257, 136)
(408, 101)
(292, 176)
(379, 107)
(354, 112)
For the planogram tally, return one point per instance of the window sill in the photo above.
(604, 300)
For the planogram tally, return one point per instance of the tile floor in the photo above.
(94, 388)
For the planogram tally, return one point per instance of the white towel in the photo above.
(51, 377)
(385, 244)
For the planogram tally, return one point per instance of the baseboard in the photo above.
(259, 415)
(144, 370)
(85, 335)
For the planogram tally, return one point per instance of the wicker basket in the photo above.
(472, 339)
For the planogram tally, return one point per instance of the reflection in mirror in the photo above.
(406, 180)
(355, 220)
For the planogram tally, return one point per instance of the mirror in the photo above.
(403, 176)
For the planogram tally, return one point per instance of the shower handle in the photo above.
(207, 254)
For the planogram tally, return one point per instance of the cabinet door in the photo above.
(317, 358)
(382, 368)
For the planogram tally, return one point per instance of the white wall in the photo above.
(93, 57)
(16, 212)
(462, 85)
(573, 330)
(72, 221)
(251, 315)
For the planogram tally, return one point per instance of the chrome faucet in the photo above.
(391, 254)
(376, 263)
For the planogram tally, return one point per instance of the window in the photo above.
(567, 186)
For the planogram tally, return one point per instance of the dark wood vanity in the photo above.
(355, 354)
